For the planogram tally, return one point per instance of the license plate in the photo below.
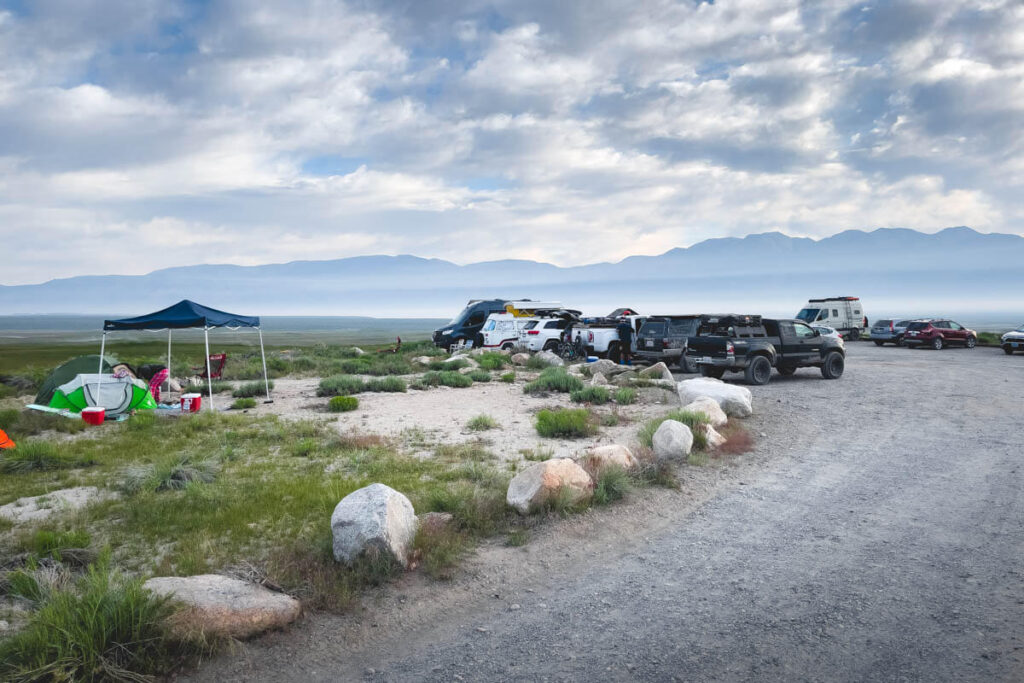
(649, 344)
(704, 359)
(1015, 345)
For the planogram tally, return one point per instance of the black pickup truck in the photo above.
(748, 343)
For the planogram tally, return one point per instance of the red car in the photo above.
(938, 333)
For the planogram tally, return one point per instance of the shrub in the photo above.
(342, 404)
(439, 550)
(625, 396)
(508, 377)
(442, 365)
(690, 419)
(37, 456)
(554, 379)
(596, 395)
(243, 404)
(567, 423)
(492, 360)
(447, 379)
(537, 363)
(220, 386)
(339, 385)
(480, 376)
(737, 439)
(613, 483)
(48, 543)
(169, 474)
(537, 454)
(106, 627)
(250, 389)
(386, 384)
(482, 423)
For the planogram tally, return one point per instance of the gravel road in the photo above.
(876, 533)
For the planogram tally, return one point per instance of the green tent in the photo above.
(116, 394)
(67, 372)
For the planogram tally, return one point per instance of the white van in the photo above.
(501, 330)
(844, 313)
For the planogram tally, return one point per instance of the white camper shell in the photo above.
(843, 313)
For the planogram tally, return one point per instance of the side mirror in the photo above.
(817, 333)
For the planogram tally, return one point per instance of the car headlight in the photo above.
(448, 331)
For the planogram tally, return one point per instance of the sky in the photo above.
(142, 134)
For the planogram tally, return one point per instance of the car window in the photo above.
(808, 314)
(476, 318)
(653, 329)
(684, 327)
(955, 326)
(903, 323)
(802, 330)
(489, 326)
(942, 324)
(883, 323)
(835, 312)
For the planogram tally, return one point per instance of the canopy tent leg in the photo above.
(209, 378)
(263, 355)
(99, 372)
(168, 350)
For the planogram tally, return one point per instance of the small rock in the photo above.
(375, 516)
(713, 438)
(624, 379)
(597, 459)
(539, 483)
(605, 367)
(551, 358)
(514, 606)
(599, 380)
(672, 441)
(657, 371)
(423, 360)
(520, 358)
(358, 351)
(225, 606)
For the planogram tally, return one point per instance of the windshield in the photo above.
(808, 314)
(917, 326)
(653, 329)
(460, 317)
(489, 326)
(1020, 329)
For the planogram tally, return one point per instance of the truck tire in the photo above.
(550, 345)
(711, 371)
(759, 372)
(854, 334)
(1008, 350)
(687, 366)
(833, 366)
(613, 353)
(879, 342)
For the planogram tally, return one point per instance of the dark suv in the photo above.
(938, 333)
(663, 338)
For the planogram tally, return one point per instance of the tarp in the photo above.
(5, 441)
(182, 315)
(66, 373)
(116, 394)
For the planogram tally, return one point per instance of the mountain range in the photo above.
(894, 270)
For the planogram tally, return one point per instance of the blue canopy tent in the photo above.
(188, 314)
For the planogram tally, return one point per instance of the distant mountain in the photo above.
(893, 270)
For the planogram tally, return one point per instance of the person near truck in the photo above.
(625, 330)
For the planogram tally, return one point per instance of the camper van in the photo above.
(843, 313)
(465, 327)
(502, 330)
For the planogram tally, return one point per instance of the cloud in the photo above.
(136, 135)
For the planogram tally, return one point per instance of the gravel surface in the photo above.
(875, 533)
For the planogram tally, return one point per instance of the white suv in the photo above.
(539, 334)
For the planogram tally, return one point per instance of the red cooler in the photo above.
(191, 403)
(94, 415)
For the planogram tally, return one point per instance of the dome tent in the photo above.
(116, 395)
(67, 372)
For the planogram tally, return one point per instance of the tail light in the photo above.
(892, 326)
(729, 348)
(590, 336)
(533, 332)
(664, 343)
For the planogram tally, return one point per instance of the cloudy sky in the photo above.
(140, 134)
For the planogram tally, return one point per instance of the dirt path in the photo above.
(877, 533)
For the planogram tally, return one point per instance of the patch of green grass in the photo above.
(170, 473)
(219, 386)
(453, 365)
(554, 379)
(472, 451)
(694, 421)
(609, 419)
(446, 379)
(50, 543)
(377, 364)
(517, 538)
(386, 384)
(492, 361)
(340, 385)
(250, 389)
(613, 483)
(537, 453)
(656, 474)
(595, 395)
(480, 376)
(565, 423)
(342, 404)
(537, 363)
(990, 339)
(625, 396)
(37, 455)
(482, 423)
(243, 403)
(508, 377)
(105, 627)
(21, 424)
(439, 550)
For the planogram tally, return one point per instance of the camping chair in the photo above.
(217, 362)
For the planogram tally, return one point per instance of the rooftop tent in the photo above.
(67, 372)
(116, 394)
(183, 315)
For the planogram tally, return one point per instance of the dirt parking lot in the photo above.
(875, 533)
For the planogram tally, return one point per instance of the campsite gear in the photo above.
(116, 394)
(191, 403)
(5, 441)
(214, 366)
(94, 415)
(67, 372)
(185, 314)
(154, 384)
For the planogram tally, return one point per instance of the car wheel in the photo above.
(854, 334)
(711, 371)
(759, 372)
(833, 366)
(1008, 350)
(937, 343)
(879, 342)
(971, 342)
(550, 345)
(613, 352)
(899, 340)
(788, 370)
(507, 347)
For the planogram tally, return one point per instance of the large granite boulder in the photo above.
(735, 400)
(597, 459)
(374, 517)
(708, 407)
(672, 441)
(537, 485)
(551, 358)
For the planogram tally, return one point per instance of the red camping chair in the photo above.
(217, 362)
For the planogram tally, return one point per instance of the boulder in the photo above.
(423, 360)
(672, 441)
(551, 358)
(734, 400)
(358, 351)
(713, 438)
(709, 407)
(600, 457)
(462, 356)
(575, 369)
(224, 606)
(37, 508)
(598, 380)
(377, 517)
(531, 489)
(624, 379)
(605, 367)
(173, 385)
(467, 370)
(520, 358)
(434, 522)
(657, 371)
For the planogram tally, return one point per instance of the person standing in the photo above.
(625, 330)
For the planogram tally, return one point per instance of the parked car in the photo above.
(662, 338)
(938, 333)
(889, 330)
(826, 331)
(844, 313)
(542, 334)
(1013, 340)
(501, 331)
(600, 335)
(748, 344)
(466, 326)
